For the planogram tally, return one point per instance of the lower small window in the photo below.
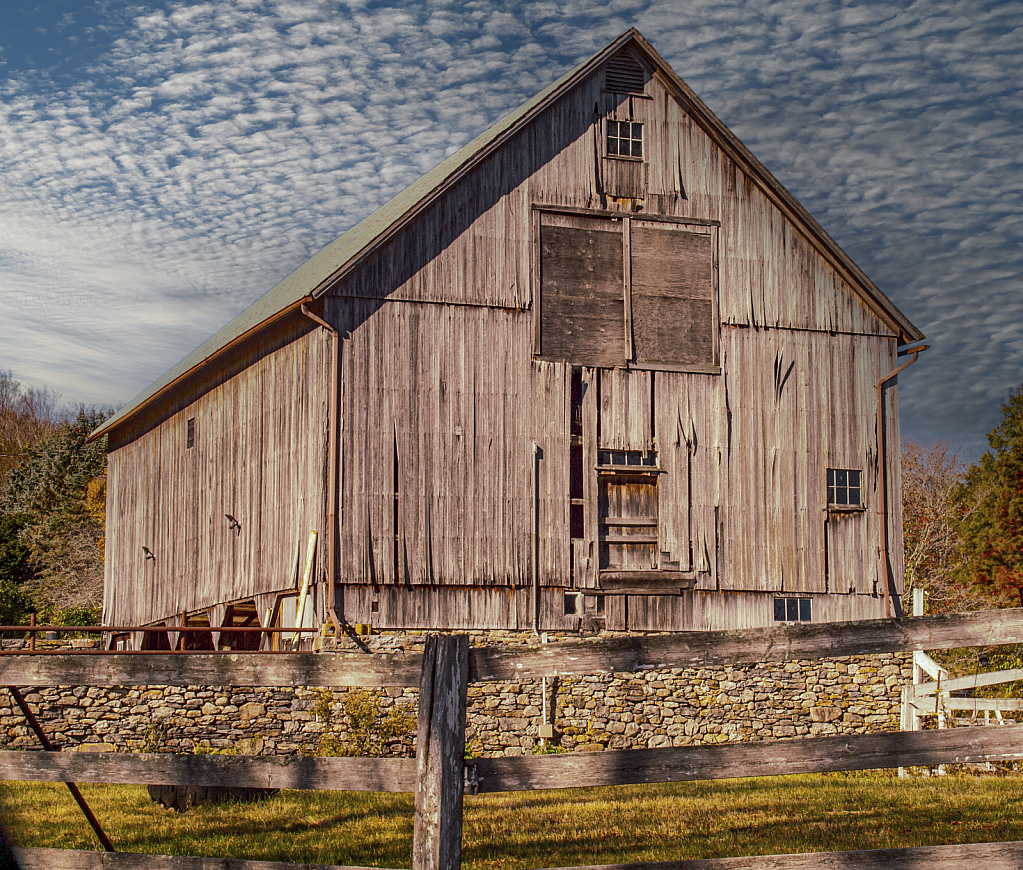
(627, 459)
(793, 610)
(577, 604)
(573, 604)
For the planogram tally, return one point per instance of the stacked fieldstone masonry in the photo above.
(624, 711)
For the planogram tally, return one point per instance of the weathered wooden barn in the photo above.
(598, 368)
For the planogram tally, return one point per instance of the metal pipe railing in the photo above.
(33, 629)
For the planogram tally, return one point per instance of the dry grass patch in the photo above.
(828, 812)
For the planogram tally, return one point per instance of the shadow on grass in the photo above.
(673, 821)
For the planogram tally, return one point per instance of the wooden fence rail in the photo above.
(292, 772)
(990, 856)
(769, 758)
(510, 664)
(68, 859)
(438, 774)
(571, 770)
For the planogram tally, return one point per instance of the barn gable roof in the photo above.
(325, 268)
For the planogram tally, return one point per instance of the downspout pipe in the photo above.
(891, 598)
(536, 539)
(332, 463)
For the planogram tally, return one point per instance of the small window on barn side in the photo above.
(793, 610)
(844, 487)
(190, 433)
(627, 460)
(624, 139)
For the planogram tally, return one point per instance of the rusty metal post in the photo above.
(33, 723)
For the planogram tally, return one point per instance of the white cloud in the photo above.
(214, 146)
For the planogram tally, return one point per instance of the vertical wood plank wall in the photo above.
(259, 456)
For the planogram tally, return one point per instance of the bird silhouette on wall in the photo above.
(234, 523)
(149, 553)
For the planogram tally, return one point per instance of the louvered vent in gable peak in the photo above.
(623, 74)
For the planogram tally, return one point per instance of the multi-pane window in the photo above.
(624, 139)
(844, 487)
(793, 610)
(626, 459)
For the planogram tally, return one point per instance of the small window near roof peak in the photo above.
(624, 139)
(190, 433)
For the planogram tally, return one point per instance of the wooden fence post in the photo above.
(443, 687)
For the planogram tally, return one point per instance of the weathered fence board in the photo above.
(708, 648)
(603, 655)
(572, 770)
(770, 758)
(67, 859)
(296, 772)
(440, 746)
(214, 669)
(992, 856)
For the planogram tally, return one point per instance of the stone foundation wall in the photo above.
(645, 709)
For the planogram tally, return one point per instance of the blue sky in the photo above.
(163, 164)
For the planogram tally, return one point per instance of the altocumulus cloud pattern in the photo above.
(163, 164)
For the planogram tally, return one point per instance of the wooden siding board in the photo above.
(552, 391)
(707, 427)
(464, 502)
(655, 612)
(173, 499)
(671, 402)
(433, 607)
(625, 414)
(586, 572)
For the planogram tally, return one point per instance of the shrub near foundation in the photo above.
(368, 730)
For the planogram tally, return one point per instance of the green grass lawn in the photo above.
(825, 812)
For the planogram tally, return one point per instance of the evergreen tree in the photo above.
(58, 490)
(992, 531)
(14, 570)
